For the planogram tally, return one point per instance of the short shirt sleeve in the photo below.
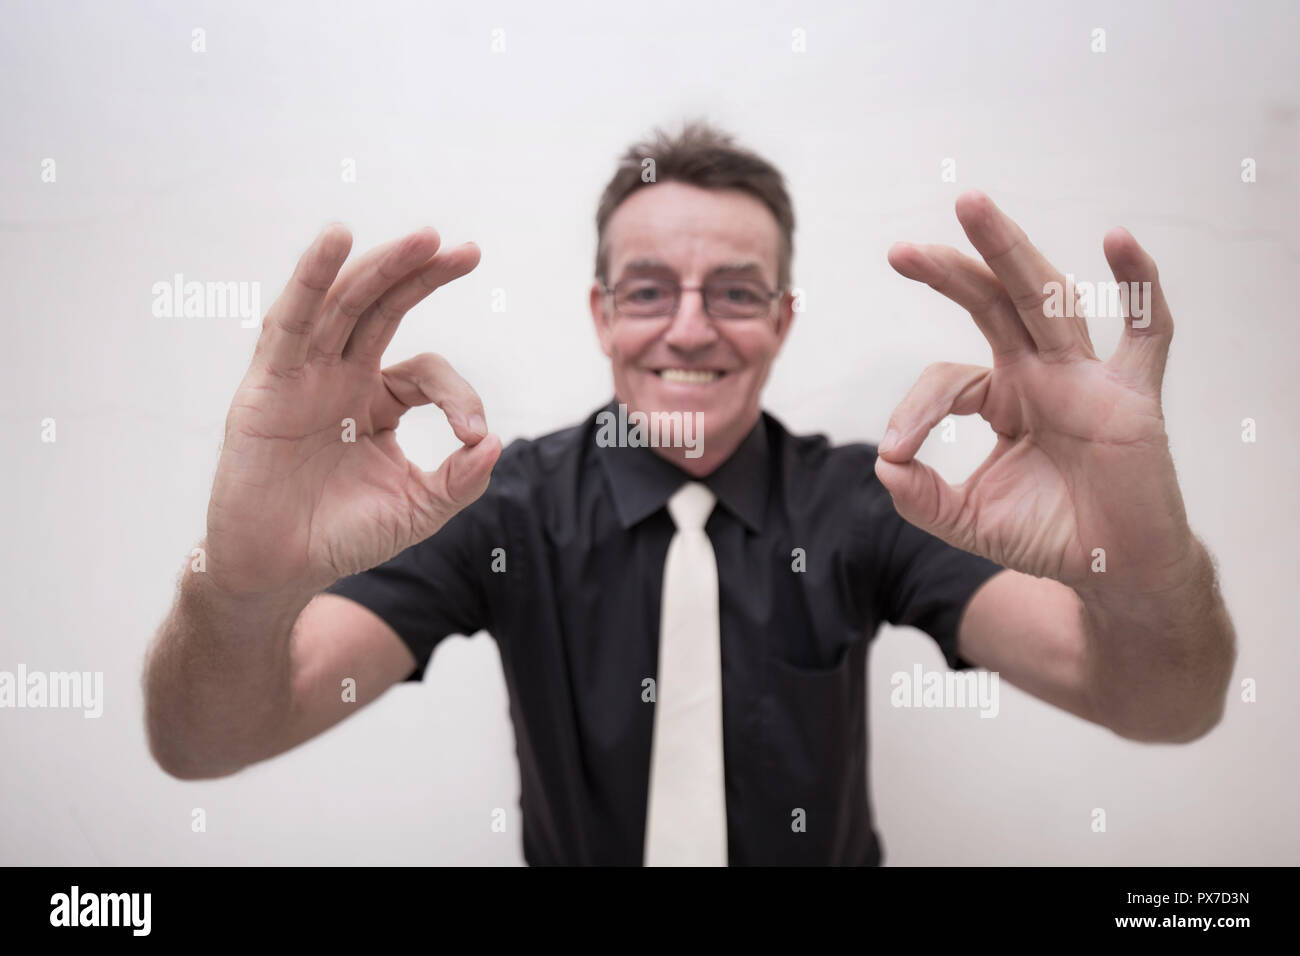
(434, 588)
(912, 578)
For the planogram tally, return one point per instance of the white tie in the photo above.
(686, 817)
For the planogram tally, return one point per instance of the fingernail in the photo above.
(478, 425)
(888, 442)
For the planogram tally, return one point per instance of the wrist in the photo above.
(245, 611)
(1171, 569)
(1180, 592)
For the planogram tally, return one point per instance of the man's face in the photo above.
(690, 362)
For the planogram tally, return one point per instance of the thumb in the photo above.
(459, 481)
(920, 496)
(469, 468)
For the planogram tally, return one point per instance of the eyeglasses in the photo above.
(643, 297)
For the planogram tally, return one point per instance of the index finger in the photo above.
(972, 286)
(378, 324)
(289, 323)
(1025, 273)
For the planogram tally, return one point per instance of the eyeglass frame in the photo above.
(677, 301)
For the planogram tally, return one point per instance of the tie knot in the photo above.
(690, 506)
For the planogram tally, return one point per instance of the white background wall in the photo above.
(223, 165)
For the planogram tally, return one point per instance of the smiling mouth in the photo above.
(689, 376)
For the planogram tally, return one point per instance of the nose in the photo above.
(691, 328)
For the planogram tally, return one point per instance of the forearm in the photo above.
(1158, 665)
(217, 681)
(1153, 668)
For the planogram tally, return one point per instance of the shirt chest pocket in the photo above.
(814, 745)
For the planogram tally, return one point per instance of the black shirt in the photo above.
(562, 559)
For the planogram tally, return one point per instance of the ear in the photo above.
(600, 316)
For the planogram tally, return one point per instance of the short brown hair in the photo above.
(700, 155)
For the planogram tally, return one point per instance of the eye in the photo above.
(738, 293)
(645, 291)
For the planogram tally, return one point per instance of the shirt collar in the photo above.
(642, 482)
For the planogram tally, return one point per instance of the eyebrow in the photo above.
(726, 269)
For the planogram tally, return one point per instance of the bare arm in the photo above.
(1154, 670)
(311, 486)
(231, 682)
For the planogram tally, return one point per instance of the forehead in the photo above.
(692, 230)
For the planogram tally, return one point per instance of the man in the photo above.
(683, 628)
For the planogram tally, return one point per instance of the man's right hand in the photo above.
(294, 505)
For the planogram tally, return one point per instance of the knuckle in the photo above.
(1031, 301)
(294, 324)
(283, 373)
(435, 365)
(312, 275)
(323, 359)
(1053, 354)
(430, 279)
(350, 307)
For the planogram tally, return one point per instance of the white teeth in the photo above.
(690, 376)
